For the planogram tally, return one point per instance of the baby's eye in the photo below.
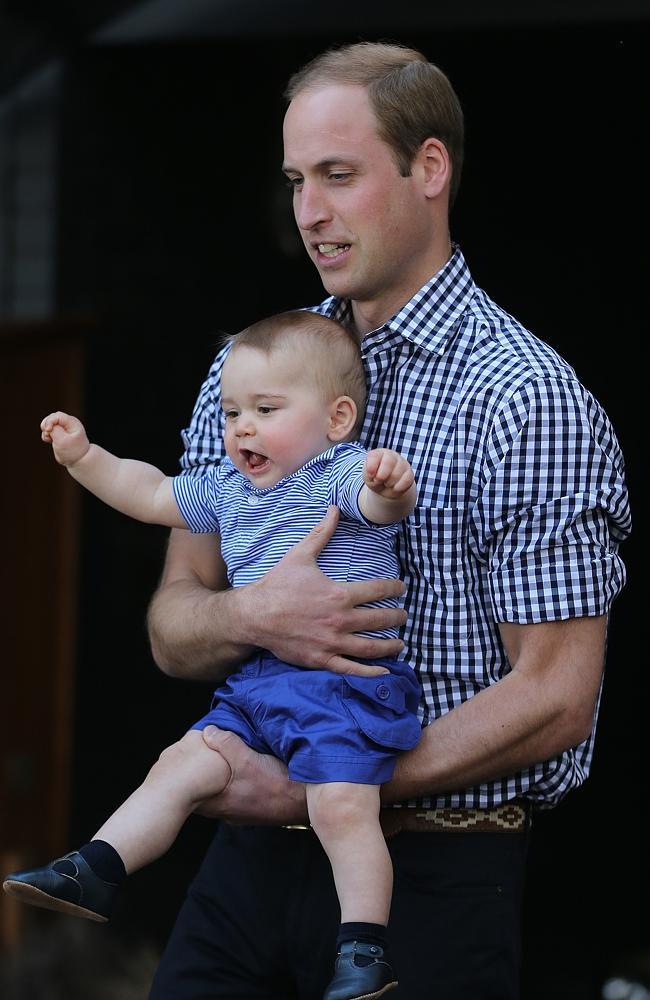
(265, 409)
(230, 414)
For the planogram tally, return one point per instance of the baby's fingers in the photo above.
(404, 482)
(371, 464)
(52, 419)
(47, 426)
(387, 467)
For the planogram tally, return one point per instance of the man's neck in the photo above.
(368, 316)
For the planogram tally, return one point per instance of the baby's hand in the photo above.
(385, 472)
(67, 436)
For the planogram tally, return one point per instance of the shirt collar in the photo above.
(430, 319)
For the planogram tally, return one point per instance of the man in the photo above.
(510, 564)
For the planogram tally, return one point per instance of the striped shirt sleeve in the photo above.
(196, 497)
(553, 489)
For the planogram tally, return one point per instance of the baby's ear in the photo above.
(342, 418)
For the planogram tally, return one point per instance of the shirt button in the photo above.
(252, 499)
(383, 691)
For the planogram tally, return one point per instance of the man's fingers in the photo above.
(219, 739)
(231, 747)
(314, 543)
(373, 620)
(366, 591)
(362, 647)
(340, 665)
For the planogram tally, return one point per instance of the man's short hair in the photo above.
(332, 358)
(411, 98)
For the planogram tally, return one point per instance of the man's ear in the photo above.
(433, 160)
(342, 418)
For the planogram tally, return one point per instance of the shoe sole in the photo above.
(36, 897)
(373, 996)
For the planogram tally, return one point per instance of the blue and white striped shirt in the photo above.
(258, 526)
(521, 496)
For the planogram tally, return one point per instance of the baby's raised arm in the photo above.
(134, 488)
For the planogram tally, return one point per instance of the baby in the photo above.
(292, 396)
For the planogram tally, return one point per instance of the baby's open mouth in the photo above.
(254, 461)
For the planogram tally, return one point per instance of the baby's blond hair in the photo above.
(332, 359)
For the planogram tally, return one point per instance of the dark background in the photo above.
(174, 225)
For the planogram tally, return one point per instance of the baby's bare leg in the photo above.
(345, 817)
(146, 825)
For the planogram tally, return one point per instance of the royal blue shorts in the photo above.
(324, 726)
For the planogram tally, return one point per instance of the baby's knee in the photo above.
(182, 755)
(204, 772)
(338, 806)
(171, 758)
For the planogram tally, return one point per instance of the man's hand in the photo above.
(259, 790)
(200, 629)
(303, 617)
(67, 436)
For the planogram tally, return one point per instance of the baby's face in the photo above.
(276, 419)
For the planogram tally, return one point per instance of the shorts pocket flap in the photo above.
(384, 708)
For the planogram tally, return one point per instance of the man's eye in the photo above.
(293, 183)
(339, 177)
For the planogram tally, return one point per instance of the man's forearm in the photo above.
(196, 633)
(459, 750)
(477, 741)
(542, 707)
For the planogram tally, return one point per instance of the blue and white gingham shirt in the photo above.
(521, 496)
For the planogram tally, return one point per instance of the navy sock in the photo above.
(368, 933)
(104, 861)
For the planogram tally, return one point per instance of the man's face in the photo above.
(276, 418)
(367, 229)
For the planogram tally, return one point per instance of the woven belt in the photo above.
(509, 817)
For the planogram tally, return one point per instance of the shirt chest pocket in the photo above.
(443, 581)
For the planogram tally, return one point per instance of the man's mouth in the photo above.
(255, 462)
(332, 249)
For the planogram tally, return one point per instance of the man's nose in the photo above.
(311, 207)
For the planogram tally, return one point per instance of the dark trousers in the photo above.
(261, 917)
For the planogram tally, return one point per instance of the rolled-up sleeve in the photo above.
(203, 438)
(553, 506)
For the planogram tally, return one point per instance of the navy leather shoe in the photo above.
(360, 982)
(75, 890)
